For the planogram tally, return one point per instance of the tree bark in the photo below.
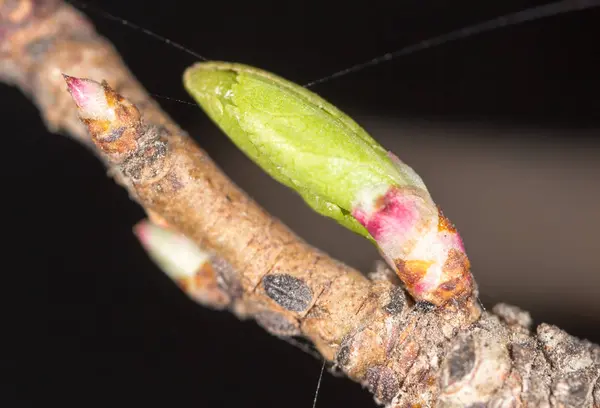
(406, 354)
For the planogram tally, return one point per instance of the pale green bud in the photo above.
(176, 255)
(297, 137)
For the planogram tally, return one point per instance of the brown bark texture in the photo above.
(407, 355)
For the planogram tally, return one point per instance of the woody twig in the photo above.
(407, 355)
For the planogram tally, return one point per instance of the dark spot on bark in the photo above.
(227, 197)
(176, 184)
(396, 303)
(461, 360)
(383, 383)
(114, 135)
(289, 292)
(40, 47)
(425, 306)
(276, 323)
(148, 162)
(343, 356)
(227, 279)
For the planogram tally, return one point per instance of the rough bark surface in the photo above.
(407, 355)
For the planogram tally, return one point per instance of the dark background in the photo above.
(503, 127)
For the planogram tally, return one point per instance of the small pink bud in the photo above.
(113, 122)
(90, 98)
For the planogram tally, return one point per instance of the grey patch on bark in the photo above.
(346, 357)
(477, 366)
(342, 358)
(397, 301)
(227, 277)
(39, 47)
(574, 389)
(276, 323)
(383, 383)
(461, 360)
(148, 162)
(425, 307)
(289, 292)
(115, 134)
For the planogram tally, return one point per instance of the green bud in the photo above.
(297, 137)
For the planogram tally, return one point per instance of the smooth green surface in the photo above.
(297, 137)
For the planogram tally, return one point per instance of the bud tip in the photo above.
(141, 232)
(89, 96)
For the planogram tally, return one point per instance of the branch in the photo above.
(407, 355)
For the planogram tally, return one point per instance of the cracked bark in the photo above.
(407, 355)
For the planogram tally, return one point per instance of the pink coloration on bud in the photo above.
(142, 232)
(392, 213)
(415, 237)
(90, 98)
